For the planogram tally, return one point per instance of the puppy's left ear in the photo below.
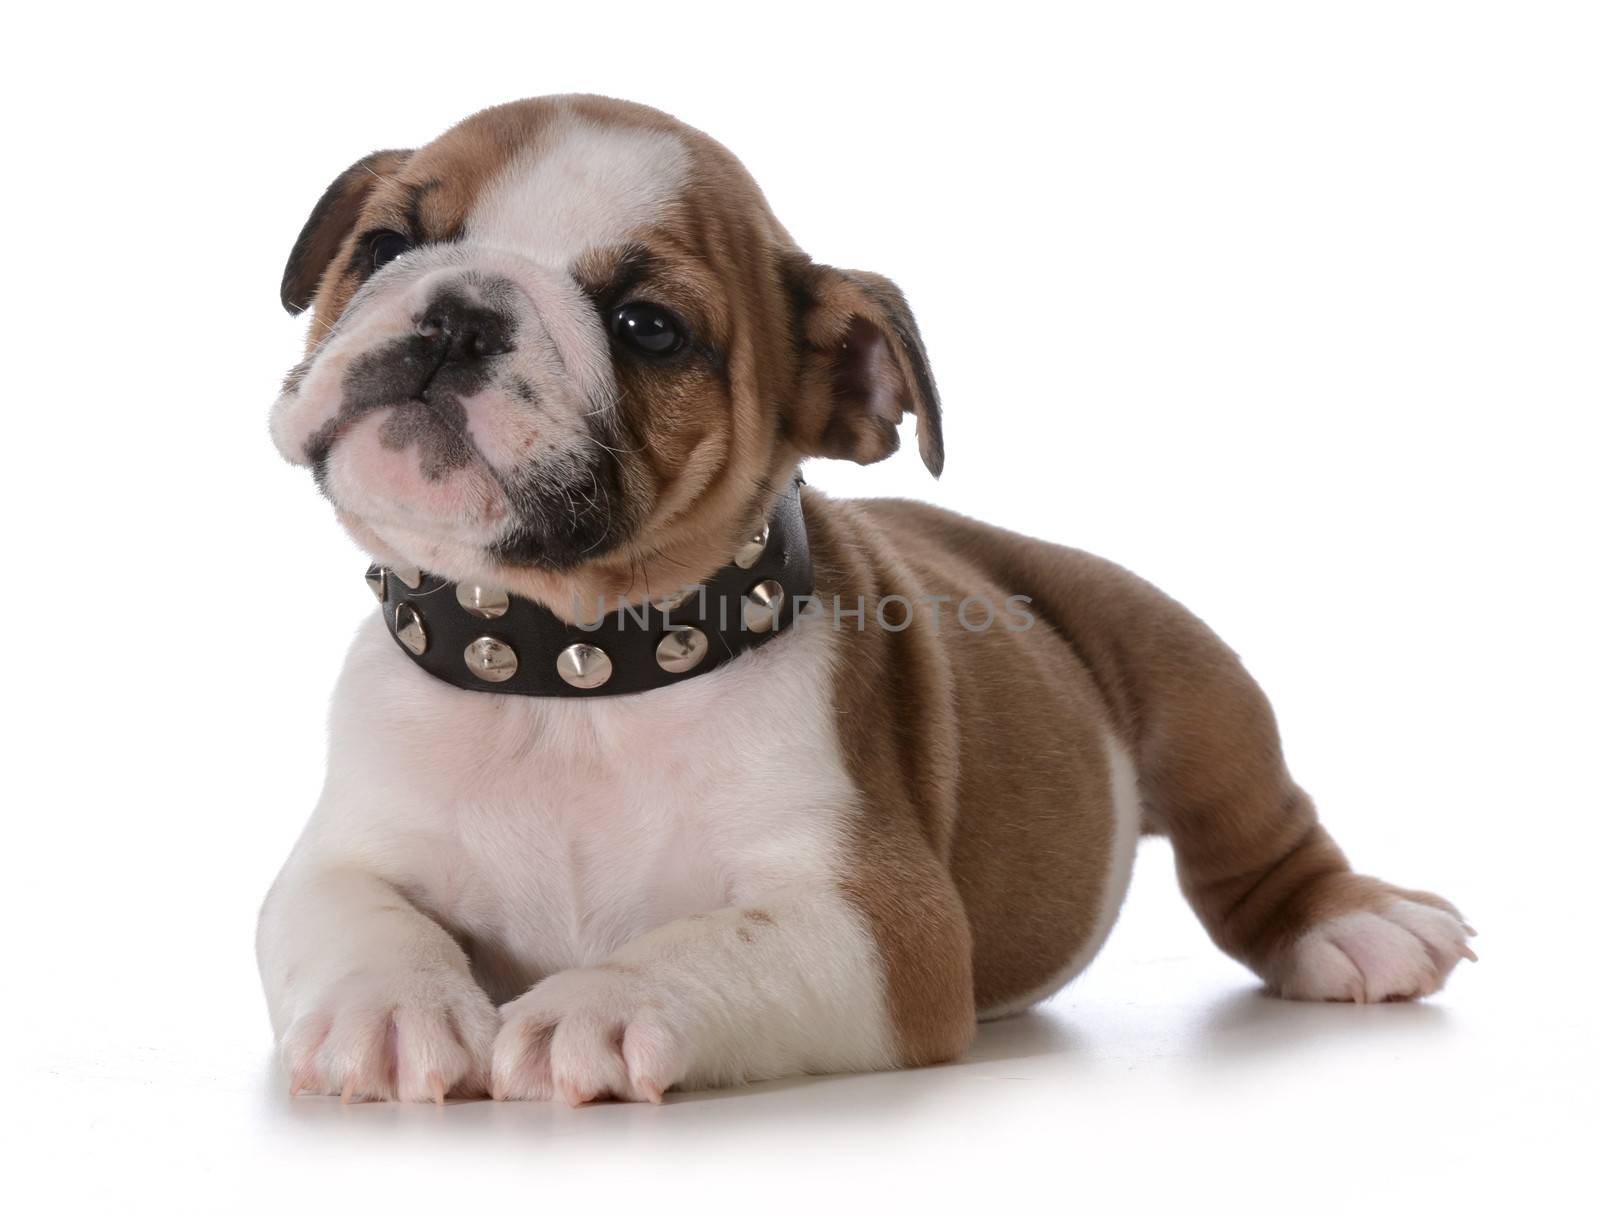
(862, 369)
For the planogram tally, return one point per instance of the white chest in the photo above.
(551, 831)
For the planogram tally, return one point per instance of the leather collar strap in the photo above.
(482, 639)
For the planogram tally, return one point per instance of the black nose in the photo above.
(461, 330)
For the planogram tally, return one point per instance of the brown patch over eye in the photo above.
(610, 275)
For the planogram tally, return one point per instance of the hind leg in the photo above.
(1312, 928)
(1268, 882)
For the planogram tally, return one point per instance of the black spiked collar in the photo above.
(482, 639)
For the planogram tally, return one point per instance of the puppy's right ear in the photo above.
(330, 223)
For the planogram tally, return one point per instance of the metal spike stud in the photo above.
(408, 628)
(583, 666)
(487, 602)
(762, 605)
(682, 649)
(490, 659)
(750, 552)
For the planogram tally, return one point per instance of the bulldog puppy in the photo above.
(565, 356)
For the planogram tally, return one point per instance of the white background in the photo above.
(1293, 309)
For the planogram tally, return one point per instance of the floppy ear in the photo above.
(330, 223)
(862, 368)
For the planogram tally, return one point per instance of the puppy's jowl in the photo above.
(565, 357)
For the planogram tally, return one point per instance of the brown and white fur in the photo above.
(837, 852)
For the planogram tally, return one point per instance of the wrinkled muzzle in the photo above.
(462, 411)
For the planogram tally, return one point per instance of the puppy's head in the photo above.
(566, 349)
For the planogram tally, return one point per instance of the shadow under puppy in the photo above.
(883, 781)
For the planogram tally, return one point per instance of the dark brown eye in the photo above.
(385, 247)
(648, 328)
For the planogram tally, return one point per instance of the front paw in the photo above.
(409, 1036)
(587, 1034)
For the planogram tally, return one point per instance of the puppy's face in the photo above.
(566, 349)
